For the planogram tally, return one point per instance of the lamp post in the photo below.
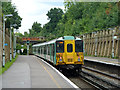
(4, 19)
(10, 45)
(11, 26)
(14, 25)
(14, 42)
(28, 47)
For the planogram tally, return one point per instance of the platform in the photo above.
(32, 72)
(103, 60)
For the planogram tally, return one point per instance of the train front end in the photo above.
(69, 53)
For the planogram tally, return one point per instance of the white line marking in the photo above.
(71, 83)
(105, 62)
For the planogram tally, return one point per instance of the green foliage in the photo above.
(79, 18)
(19, 34)
(19, 40)
(35, 30)
(49, 29)
(36, 27)
(18, 47)
(8, 8)
(55, 14)
(26, 34)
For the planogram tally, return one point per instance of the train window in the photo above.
(78, 46)
(45, 50)
(39, 50)
(35, 50)
(59, 46)
(69, 47)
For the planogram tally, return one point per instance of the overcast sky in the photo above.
(35, 10)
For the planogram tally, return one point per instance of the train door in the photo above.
(69, 51)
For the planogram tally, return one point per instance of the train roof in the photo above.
(58, 39)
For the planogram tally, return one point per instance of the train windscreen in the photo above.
(78, 46)
(69, 47)
(59, 46)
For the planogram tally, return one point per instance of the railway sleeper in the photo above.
(103, 84)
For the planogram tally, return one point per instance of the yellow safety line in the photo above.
(50, 75)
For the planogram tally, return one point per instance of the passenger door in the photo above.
(69, 51)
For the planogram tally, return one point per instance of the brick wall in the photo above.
(7, 48)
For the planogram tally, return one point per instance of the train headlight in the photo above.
(60, 59)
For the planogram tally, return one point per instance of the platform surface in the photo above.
(32, 72)
(103, 60)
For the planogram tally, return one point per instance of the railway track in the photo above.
(77, 79)
(93, 79)
(100, 79)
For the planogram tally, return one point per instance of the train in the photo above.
(65, 52)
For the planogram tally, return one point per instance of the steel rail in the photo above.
(98, 78)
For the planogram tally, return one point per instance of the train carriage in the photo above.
(64, 52)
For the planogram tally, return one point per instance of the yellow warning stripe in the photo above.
(50, 75)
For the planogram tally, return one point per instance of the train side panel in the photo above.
(67, 51)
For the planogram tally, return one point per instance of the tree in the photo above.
(36, 27)
(54, 15)
(19, 34)
(81, 17)
(31, 33)
(8, 8)
(26, 34)
(35, 30)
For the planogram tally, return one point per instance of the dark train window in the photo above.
(38, 50)
(78, 46)
(59, 46)
(45, 50)
(69, 47)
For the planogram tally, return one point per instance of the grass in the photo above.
(7, 65)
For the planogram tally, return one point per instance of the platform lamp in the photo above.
(11, 27)
(14, 41)
(4, 19)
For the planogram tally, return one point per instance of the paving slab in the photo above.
(17, 76)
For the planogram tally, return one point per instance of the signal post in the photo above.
(28, 47)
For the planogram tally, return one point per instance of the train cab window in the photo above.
(78, 46)
(69, 47)
(59, 46)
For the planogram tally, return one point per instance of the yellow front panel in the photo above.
(69, 57)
